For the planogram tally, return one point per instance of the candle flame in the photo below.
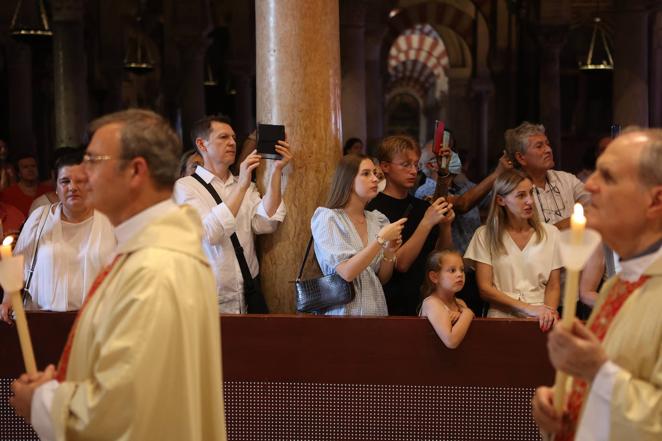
(578, 212)
(8, 240)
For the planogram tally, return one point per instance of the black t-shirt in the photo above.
(403, 290)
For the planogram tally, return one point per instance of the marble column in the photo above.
(353, 65)
(656, 72)
(186, 27)
(551, 41)
(631, 64)
(242, 66)
(111, 58)
(244, 121)
(374, 87)
(298, 85)
(481, 88)
(19, 78)
(69, 73)
(192, 92)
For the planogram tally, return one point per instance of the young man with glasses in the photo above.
(427, 227)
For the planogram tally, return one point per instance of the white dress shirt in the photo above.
(556, 200)
(219, 224)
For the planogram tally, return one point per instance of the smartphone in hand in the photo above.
(268, 136)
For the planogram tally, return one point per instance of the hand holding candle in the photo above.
(571, 292)
(11, 278)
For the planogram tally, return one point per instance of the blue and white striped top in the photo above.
(337, 240)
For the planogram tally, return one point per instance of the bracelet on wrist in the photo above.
(380, 241)
(389, 259)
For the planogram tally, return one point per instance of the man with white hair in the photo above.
(615, 359)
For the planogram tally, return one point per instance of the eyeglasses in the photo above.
(95, 159)
(407, 165)
(554, 190)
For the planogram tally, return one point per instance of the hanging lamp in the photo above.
(136, 58)
(210, 80)
(598, 56)
(30, 24)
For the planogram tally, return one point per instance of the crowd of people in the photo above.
(405, 249)
(377, 230)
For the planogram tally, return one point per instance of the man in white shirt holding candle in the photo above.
(616, 389)
(143, 358)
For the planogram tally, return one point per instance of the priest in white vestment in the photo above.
(64, 245)
(143, 358)
(616, 358)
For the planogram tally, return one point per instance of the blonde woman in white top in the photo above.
(75, 242)
(516, 256)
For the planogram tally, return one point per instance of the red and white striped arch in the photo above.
(419, 55)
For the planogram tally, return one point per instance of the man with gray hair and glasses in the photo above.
(615, 392)
(555, 192)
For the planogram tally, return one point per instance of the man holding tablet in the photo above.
(232, 211)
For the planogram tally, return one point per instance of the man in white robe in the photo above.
(616, 359)
(143, 358)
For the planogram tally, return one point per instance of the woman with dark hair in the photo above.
(359, 245)
(353, 146)
(64, 245)
(189, 161)
(516, 256)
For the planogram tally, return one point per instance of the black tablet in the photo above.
(268, 136)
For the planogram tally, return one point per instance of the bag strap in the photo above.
(40, 229)
(238, 250)
(305, 257)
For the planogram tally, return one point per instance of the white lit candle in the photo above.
(17, 305)
(571, 292)
(577, 224)
(5, 248)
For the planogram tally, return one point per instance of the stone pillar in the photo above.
(19, 79)
(374, 88)
(192, 92)
(631, 64)
(551, 41)
(482, 88)
(69, 73)
(242, 66)
(111, 58)
(656, 72)
(298, 84)
(244, 121)
(353, 64)
(186, 27)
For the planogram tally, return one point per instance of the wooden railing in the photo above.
(302, 377)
